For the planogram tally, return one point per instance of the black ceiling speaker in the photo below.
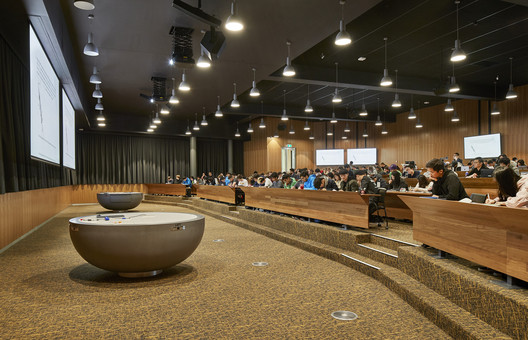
(182, 45)
(213, 43)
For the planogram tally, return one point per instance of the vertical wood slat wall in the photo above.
(438, 138)
(87, 193)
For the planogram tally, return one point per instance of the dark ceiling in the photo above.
(134, 43)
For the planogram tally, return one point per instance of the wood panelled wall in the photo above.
(438, 138)
(87, 193)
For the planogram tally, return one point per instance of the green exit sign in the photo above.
(288, 145)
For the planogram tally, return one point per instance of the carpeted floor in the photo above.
(49, 291)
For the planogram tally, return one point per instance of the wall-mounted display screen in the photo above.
(366, 156)
(68, 132)
(482, 146)
(330, 157)
(44, 107)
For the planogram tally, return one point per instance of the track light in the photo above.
(250, 129)
(95, 78)
(262, 125)
(235, 102)
(173, 99)
(97, 92)
(386, 80)
(342, 38)
(99, 106)
(254, 91)
(90, 49)
(455, 117)
(233, 22)
(86, 5)
(218, 112)
(288, 71)
(511, 94)
(333, 120)
(184, 86)
(449, 107)
(458, 54)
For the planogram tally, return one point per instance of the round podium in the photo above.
(136, 244)
(119, 201)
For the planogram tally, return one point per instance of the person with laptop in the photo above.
(513, 189)
(446, 183)
(478, 164)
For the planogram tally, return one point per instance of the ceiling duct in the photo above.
(182, 51)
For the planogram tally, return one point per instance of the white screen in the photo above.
(68, 132)
(44, 89)
(330, 157)
(364, 156)
(482, 146)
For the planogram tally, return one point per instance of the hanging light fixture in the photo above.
(250, 129)
(453, 86)
(412, 114)
(262, 125)
(101, 117)
(455, 117)
(235, 102)
(153, 126)
(86, 5)
(363, 112)
(378, 120)
(288, 71)
(150, 130)
(276, 134)
(101, 124)
(204, 121)
(347, 128)
(90, 49)
(254, 91)
(337, 98)
(312, 137)
(330, 132)
(233, 22)
(458, 54)
(419, 124)
(188, 131)
(333, 120)
(308, 107)
(97, 92)
(292, 131)
(184, 85)
(365, 133)
(156, 119)
(237, 133)
(203, 60)
(164, 110)
(99, 106)
(306, 126)
(449, 107)
(511, 94)
(284, 116)
(342, 38)
(95, 78)
(384, 131)
(495, 111)
(386, 80)
(173, 99)
(196, 127)
(218, 112)
(396, 102)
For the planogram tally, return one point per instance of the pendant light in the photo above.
(184, 86)
(365, 133)
(511, 94)
(233, 22)
(99, 106)
(188, 131)
(97, 92)
(458, 54)
(312, 137)
(306, 126)
(235, 102)
(396, 102)
(254, 91)
(153, 126)
(330, 132)
(453, 86)
(384, 130)
(419, 124)
(276, 134)
(250, 129)
(412, 114)
(101, 117)
(495, 111)
(292, 131)
(90, 49)
(95, 78)
(449, 107)
(337, 98)
(203, 61)
(386, 80)
(196, 127)
(156, 119)
(333, 120)
(218, 112)
(363, 112)
(86, 5)
(101, 124)
(164, 110)
(308, 107)
(284, 116)
(347, 128)
(455, 117)
(262, 125)
(288, 71)
(204, 121)
(237, 133)
(173, 99)
(342, 38)
(378, 120)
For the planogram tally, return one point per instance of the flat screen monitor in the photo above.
(482, 146)
(68, 132)
(44, 107)
(365, 156)
(330, 157)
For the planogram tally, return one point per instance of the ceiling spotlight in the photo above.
(86, 5)
(101, 117)
(419, 124)
(363, 112)
(203, 61)
(184, 86)
(173, 99)
(288, 71)
(384, 131)
(99, 106)
(250, 129)
(90, 49)
(511, 94)
(164, 110)
(262, 125)
(306, 126)
(233, 22)
(342, 38)
(378, 121)
(386, 80)
(412, 114)
(396, 102)
(218, 112)
(235, 102)
(95, 78)
(333, 120)
(453, 86)
(449, 107)
(97, 92)
(362, 59)
(455, 117)
(254, 91)
(458, 54)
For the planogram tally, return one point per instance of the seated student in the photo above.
(411, 173)
(242, 182)
(505, 162)
(446, 183)
(367, 187)
(337, 179)
(288, 181)
(520, 163)
(303, 177)
(169, 180)
(330, 182)
(187, 181)
(478, 163)
(275, 182)
(178, 179)
(513, 189)
(492, 163)
(457, 162)
(347, 183)
(396, 182)
(322, 183)
(423, 185)
(379, 181)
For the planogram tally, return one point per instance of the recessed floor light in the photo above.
(218, 240)
(362, 58)
(260, 264)
(344, 315)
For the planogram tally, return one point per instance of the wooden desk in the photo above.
(396, 208)
(495, 237)
(216, 193)
(166, 189)
(472, 185)
(333, 206)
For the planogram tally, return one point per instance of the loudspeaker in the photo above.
(213, 43)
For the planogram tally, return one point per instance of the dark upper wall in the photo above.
(14, 28)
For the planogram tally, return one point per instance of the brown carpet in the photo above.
(49, 291)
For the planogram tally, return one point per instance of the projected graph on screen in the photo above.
(365, 156)
(68, 132)
(44, 88)
(482, 146)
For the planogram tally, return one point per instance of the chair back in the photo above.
(381, 199)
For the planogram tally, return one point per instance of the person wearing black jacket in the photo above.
(446, 183)
(366, 186)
